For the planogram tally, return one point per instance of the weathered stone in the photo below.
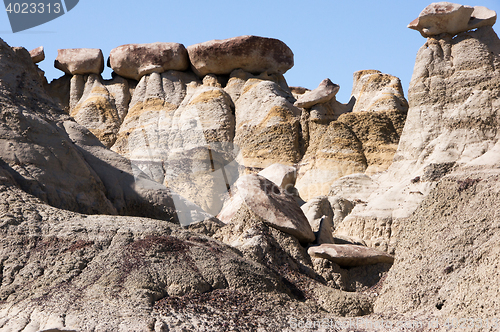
(482, 17)
(250, 53)
(80, 61)
(99, 106)
(136, 60)
(319, 213)
(446, 17)
(271, 132)
(323, 93)
(341, 142)
(282, 175)
(374, 91)
(37, 54)
(350, 255)
(354, 187)
(446, 272)
(274, 206)
(78, 272)
(451, 119)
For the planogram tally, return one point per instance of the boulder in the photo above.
(81, 61)
(250, 53)
(274, 206)
(451, 18)
(37, 54)
(282, 175)
(323, 93)
(350, 255)
(319, 213)
(136, 60)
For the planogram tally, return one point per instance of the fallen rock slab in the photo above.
(350, 255)
(250, 53)
(277, 208)
(323, 93)
(136, 60)
(81, 61)
(37, 54)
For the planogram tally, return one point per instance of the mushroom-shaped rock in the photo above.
(267, 201)
(136, 60)
(482, 16)
(447, 17)
(250, 53)
(80, 61)
(282, 175)
(37, 54)
(323, 93)
(350, 255)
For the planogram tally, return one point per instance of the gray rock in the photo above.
(323, 93)
(136, 60)
(81, 61)
(350, 255)
(250, 53)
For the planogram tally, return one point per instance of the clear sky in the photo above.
(330, 38)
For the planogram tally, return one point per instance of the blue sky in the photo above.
(330, 39)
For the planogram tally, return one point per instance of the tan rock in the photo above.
(80, 61)
(274, 206)
(319, 213)
(250, 53)
(341, 142)
(446, 17)
(37, 54)
(180, 133)
(323, 93)
(282, 175)
(350, 255)
(136, 60)
(452, 88)
(270, 133)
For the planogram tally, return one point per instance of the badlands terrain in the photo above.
(196, 191)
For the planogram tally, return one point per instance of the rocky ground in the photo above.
(197, 191)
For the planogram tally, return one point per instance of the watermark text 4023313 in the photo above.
(24, 15)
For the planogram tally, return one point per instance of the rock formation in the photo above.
(80, 61)
(136, 60)
(109, 188)
(250, 53)
(360, 137)
(451, 18)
